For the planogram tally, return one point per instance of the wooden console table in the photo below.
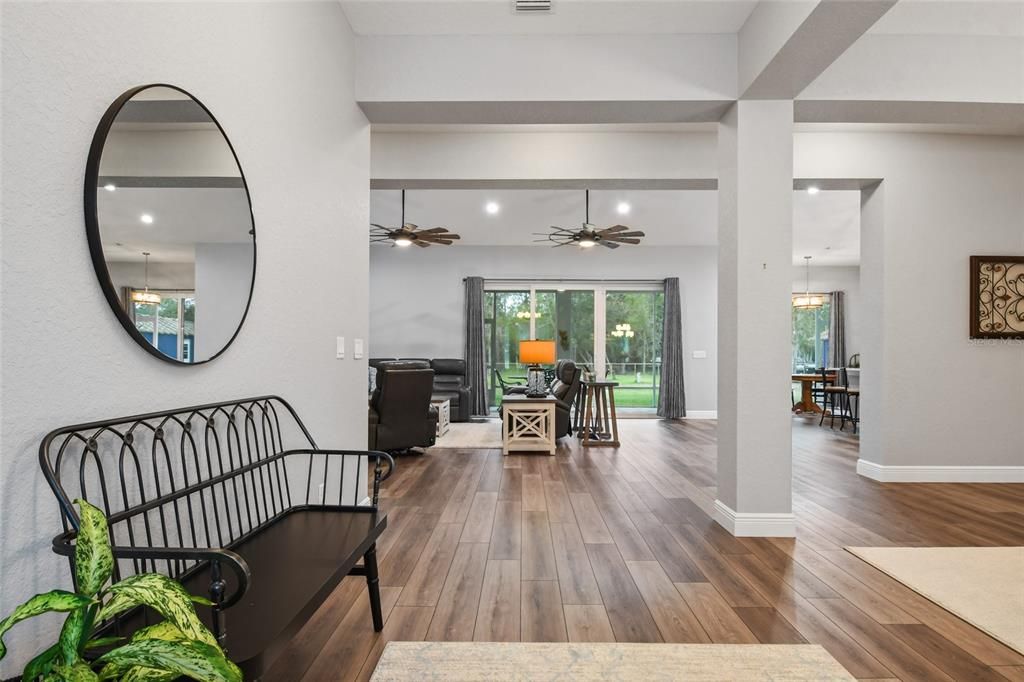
(600, 425)
(527, 424)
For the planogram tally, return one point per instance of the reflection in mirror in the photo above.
(174, 224)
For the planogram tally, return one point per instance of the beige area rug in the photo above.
(550, 661)
(982, 585)
(471, 435)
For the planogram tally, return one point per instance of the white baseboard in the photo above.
(701, 414)
(940, 474)
(745, 525)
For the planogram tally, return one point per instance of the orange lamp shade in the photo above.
(536, 352)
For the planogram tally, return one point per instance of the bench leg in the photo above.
(370, 562)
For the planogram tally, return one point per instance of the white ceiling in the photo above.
(825, 225)
(953, 17)
(182, 217)
(569, 17)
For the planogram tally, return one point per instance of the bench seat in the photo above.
(296, 563)
(236, 502)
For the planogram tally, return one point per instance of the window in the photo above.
(585, 320)
(170, 324)
(810, 338)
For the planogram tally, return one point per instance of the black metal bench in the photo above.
(230, 499)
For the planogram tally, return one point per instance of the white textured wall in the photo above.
(946, 400)
(279, 78)
(417, 297)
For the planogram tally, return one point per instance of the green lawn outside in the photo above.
(629, 393)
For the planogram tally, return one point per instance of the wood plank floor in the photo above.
(617, 545)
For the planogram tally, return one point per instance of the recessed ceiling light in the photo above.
(622, 208)
(813, 189)
(110, 187)
(146, 218)
(492, 207)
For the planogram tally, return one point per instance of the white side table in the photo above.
(444, 415)
(527, 424)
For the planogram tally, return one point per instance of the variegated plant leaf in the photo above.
(165, 630)
(72, 635)
(79, 671)
(200, 600)
(54, 600)
(142, 674)
(94, 559)
(102, 642)
(164, 595)
(40, 665)
(197, 660)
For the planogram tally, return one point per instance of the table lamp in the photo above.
(535, 353)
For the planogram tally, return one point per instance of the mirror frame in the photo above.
(92, 223)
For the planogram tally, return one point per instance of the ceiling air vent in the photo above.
(531, 6)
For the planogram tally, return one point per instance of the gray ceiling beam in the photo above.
(830, 28)
(545, 112)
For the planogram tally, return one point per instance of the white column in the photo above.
(755, 190)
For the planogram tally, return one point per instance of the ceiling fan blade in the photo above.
(435, 230)
(421, 243)
(610, 245)
(379, 227)
(614, 229)
(634, 233)
(410, 226)
(623, 241)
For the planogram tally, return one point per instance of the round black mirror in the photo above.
(170, 225)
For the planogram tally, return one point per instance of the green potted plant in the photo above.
(179, 646)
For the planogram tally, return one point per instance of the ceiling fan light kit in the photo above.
(590, 236)
(409, 234)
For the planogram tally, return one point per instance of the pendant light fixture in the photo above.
(807, 301)
(146, 297)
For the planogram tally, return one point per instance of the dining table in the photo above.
(806, 402)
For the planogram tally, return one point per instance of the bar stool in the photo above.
(834, 394)
(852, 409)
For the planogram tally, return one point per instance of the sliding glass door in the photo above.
(633, 326)
(567, 316)
(611, 330)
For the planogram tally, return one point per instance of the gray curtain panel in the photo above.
(837, 330)
(672, 401)
(475, 345)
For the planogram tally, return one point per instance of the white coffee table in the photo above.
(527, 424)
(444, 415)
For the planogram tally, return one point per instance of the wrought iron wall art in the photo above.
(997, 297)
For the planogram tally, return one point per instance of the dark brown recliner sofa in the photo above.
(400, 414)
(450, 383)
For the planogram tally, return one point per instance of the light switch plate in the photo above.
(340, 348)
(700, 354)
(357, 349)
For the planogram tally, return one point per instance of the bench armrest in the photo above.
(378, 457)
(63, 545)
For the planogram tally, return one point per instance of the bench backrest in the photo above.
(199, 477)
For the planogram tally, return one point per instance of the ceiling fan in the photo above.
(410, 234)
(590, 235)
